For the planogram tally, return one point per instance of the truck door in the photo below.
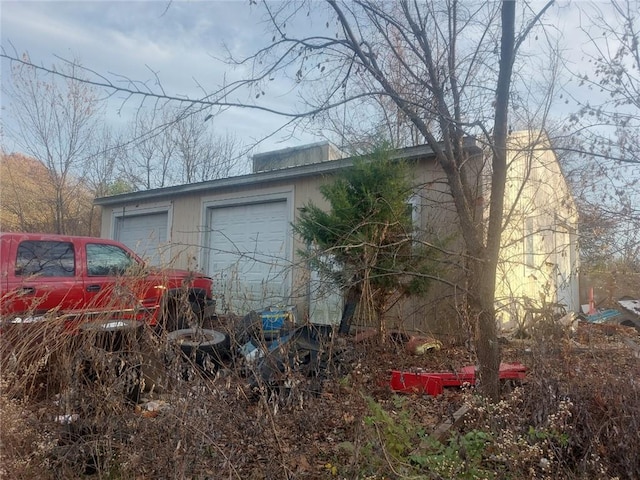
(42, 277)
(5, 254)
(114, 280)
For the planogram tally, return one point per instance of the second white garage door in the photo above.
(249, 254)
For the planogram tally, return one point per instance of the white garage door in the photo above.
(325, 299)
(248, 254)
(144, 234)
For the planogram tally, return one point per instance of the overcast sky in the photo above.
(181, 41)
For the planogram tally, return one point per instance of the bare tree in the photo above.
(55, 120)
(100, 168)
(100, 171)
(457, 61)
(169, 147)
(148, 153)
(201, 154)
(603, 140)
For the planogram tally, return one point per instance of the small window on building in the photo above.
(46, 259)
(107, 260)
(413, 212)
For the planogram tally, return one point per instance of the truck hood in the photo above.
(175, 273)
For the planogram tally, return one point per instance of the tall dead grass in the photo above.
(75, 405)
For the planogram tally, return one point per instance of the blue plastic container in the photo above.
(272, 321)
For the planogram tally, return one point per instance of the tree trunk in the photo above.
(350, 303)
(485, 263)
(382, 327)
(482, 312)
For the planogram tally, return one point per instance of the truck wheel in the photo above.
(175, 315)
(204, 344)
(113, 335)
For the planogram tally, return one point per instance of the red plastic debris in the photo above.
(432, 383)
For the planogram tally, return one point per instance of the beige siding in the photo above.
(106, 228)
(307, 190)
(437, 223)
(436, 312)
(186, 231)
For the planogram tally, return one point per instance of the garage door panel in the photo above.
(145, 234)
(248, 254)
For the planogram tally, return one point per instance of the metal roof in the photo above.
(314, 169)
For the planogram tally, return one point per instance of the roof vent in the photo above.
(295, 156)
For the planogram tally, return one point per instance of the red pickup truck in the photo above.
(84, 277)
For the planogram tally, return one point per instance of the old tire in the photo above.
(109, 357)
(201, 344)
(113, 335)
(176, 315)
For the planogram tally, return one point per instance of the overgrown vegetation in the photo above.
(76, 407)
(364, 241)
(73, 407)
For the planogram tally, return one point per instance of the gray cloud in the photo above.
(182, 42)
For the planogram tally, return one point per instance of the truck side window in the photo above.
(45, 259)
(107, 260)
